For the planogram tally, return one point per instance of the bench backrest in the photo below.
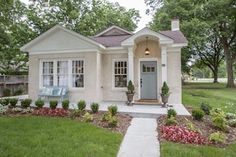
(54, 91)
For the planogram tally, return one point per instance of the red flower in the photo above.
(182, 135)
(51, 112)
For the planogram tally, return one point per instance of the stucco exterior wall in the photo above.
(91, 91)
(109, 92)
(174, 77)
(155, 54)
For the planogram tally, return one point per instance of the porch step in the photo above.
(142, 115)
(147, 102)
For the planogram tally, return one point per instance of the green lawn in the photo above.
(55, 137)
(217, 96)
(214, 94)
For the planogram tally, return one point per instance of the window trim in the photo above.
(113, 74)
(69, 82)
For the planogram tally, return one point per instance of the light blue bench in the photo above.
(54, 91)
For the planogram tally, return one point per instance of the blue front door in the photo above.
(148, 79)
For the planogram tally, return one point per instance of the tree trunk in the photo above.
(230, 73)
(215, 75)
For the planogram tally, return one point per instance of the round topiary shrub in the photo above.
(171, 113)
(13, 102)
(65, 104)
(94, 107)
(197, 114)
(81, 105)
(53, 104)
(39, 103)
(26, 103)
(113, 110)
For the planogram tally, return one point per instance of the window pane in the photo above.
(78, 80)
(78, 73)
(120, 80)
(47, 74)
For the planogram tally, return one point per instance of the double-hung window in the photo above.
(62, 73)
(120, 74)
(47, 73)
(78, 73)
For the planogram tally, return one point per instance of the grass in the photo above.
(55, 137)
(169, 149)
(217, 96)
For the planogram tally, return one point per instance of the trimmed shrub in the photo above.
(130, 87)
(53, 104)
(217, 137)
(26, 103)
(112, 122)
(4, 102)
(39, 103)
(65, 104)
(94, 107)
(113, 110)
(13, 102)
(171, 121)
(6, 92)
(81, 105)
(171, 113)
(206, 108)
(165, 89)
(197, 114)
(88, 117)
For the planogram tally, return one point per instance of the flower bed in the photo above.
(182, 135)
(51, 112)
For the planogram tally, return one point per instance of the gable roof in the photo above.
(111, 41)
(113, 31)
(177, 36)
(54, 29)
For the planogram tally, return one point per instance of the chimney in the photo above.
(175, 24)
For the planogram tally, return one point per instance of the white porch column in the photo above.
(163, 63)
(130, 64)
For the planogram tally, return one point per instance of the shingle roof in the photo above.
(115, 40)
(111, 41)
(177, 36)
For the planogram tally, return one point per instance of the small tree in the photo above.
(165, 89)
(130, 87)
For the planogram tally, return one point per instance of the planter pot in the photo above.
(130, 97)
(164, 99)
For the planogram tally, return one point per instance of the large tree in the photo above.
(87, 17)
(221, 17)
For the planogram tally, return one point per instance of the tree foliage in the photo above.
(20, 24)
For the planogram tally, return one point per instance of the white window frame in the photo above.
(78, 59)
(113, 73)
(69, 62)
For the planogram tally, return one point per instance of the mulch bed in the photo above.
(122, 126)
(205, 126)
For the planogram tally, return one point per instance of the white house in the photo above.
(98, 68)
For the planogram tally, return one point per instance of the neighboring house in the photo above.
(98, 68)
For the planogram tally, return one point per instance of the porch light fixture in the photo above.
(147, 52)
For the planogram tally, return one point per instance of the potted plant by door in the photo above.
(130, 92)
(165, 94)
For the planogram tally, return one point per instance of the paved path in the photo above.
(140, 139)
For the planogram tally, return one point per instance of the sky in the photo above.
(137, 4)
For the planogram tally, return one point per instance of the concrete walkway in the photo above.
(140, 139)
